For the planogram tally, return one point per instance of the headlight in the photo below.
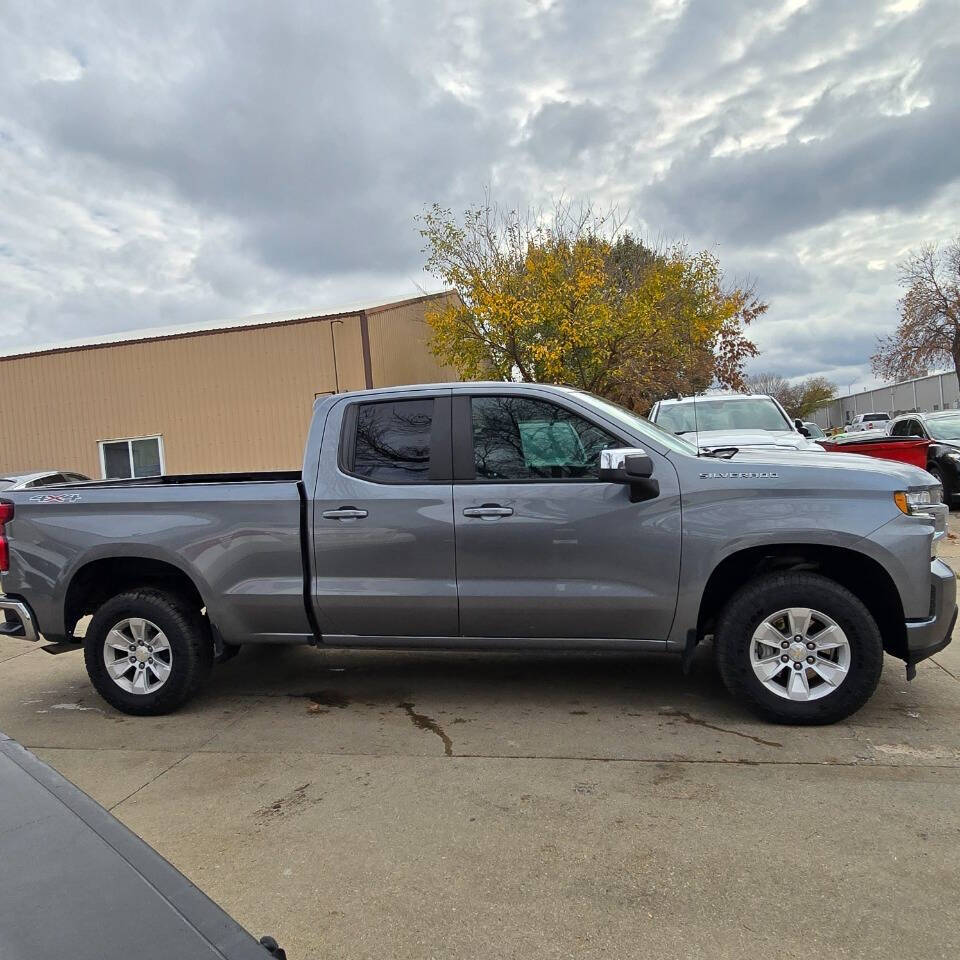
(914, 502)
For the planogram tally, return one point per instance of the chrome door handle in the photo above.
(344, 513)
(488, 512)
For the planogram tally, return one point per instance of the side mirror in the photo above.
(631, 466)
(798, 423)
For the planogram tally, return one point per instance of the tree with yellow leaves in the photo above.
(572, 299)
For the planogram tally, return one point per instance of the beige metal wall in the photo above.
(231, 400)
(398, 345)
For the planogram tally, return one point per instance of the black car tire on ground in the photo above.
(185, 630)
(762, 597)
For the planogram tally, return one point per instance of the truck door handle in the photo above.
(489, 511)
(344, 513)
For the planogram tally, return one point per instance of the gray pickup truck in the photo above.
(494, 515)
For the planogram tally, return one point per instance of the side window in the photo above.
(516, 438)
(392, 441)
(899, 429)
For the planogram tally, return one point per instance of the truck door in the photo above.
(544, 548)
(383, 519)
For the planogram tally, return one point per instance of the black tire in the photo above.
(937, 475)
(760, 598)
(227, 652)
(186, 632)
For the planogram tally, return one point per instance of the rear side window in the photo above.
(515, 439)
(392, 443)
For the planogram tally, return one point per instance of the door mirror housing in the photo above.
(631, 466)
(801, 428)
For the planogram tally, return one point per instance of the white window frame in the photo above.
(129, 441)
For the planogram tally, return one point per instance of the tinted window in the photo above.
(393, 441)
(900, 428)
(515, 438)
(875, 416)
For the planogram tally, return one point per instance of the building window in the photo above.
(137, 457)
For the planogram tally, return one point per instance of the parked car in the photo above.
(45, 478)
(942, 429)
(55, 838)
(492, 515)
(731, 420)
(869, 421)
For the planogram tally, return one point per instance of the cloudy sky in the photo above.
(166, 163)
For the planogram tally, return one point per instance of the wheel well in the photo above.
(860, 574)
(92, 585)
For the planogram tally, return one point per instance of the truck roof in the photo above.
(460, 386)
(711, 397)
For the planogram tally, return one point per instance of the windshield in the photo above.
(741, 413)
(5, 484)
(633, 421)
(944, 428)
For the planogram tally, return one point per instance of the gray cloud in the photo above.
(163, 165)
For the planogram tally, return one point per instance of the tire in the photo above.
(747, 615)
(187, 647)
(937, 475)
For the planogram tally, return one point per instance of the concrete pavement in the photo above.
(374, 804)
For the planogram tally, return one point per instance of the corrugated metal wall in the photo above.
(399, 349)
(231, 400)
(938, 391)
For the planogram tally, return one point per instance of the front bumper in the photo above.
(927, 637)
(17, 620)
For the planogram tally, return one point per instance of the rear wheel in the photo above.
(147, 651)
(799, 648)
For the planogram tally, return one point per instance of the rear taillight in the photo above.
(6, 515)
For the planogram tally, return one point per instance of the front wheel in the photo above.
(798, 648)
(937, 475)
(147, 651)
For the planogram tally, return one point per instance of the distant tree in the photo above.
(570, 298)
(798, 399)
(810, 394)
(928, 333)
(773, 385)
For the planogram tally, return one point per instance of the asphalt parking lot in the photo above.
(419, 805)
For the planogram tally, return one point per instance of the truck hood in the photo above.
(840, 469)
(712, 439)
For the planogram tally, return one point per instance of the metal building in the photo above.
(218, 397)
(935, 391)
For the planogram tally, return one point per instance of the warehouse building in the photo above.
(218, 397)
(935, 391)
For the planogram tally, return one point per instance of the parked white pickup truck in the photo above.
(869, 421)
(741, 420)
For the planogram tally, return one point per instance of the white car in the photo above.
(731, 420)
(43, 478)
(869, 421)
